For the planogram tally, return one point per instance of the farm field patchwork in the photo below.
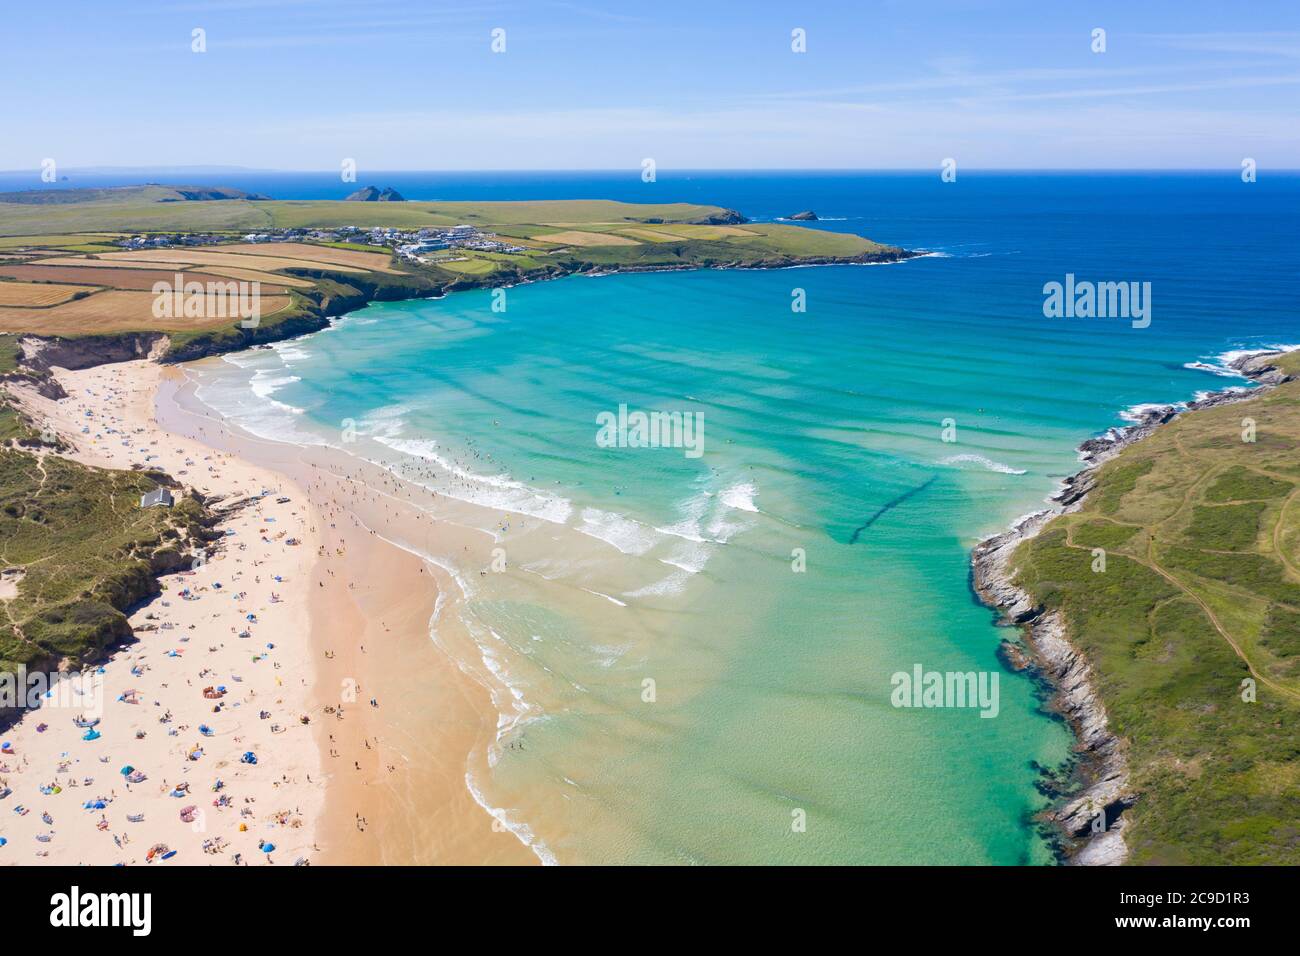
(370, 261)
(120, 310)
(575, 238)
(198, 255)
(38, 294)
(137, 279)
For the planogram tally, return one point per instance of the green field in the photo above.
(156, 209)
(8, 353)
(1200, 593)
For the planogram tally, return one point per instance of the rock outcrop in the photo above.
(42, 354)
(727, 217)
(374, 194)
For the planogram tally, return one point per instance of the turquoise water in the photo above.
(824, 444)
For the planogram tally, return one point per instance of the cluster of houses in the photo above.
(287, 235)
(410, 244)
(167, 241)
(414, 245)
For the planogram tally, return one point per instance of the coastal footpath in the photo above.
(1158, 602)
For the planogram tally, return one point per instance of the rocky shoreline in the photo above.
(1047, 654)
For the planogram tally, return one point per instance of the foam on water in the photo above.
(689, 556)
(741, 497)
(624, 533)
(1137, 413)
(499, 492)
(522, 831)
(675, 583)
(1221, 363)
(988, 464)
(607, 597)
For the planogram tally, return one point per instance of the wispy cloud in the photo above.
(1282, 45)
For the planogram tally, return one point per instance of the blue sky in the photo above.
(397, 84)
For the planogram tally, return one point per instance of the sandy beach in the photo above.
(313, 633)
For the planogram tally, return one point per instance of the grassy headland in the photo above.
(1178, 576)
(81, 551)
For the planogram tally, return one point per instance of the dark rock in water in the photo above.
(375, 194)
(728, 217)
(806, 216)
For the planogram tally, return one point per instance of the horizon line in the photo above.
(216, 170)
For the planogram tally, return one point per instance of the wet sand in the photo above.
(397, 790)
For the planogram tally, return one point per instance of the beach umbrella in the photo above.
(127, 769)
(267, 847)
